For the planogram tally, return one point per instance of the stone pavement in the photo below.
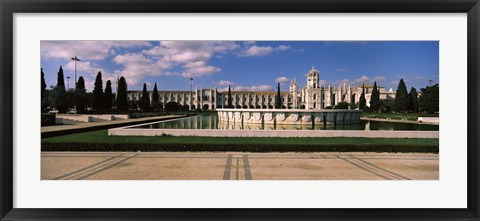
(238, 166)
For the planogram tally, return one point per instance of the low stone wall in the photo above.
(289, 116)
(128, 131)
(71, 119)
(429, 120)
(85, 118)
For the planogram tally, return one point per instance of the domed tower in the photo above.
(313, 78)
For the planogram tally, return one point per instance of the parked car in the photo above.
(53, 111)
(72, 111)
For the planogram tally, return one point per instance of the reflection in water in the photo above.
(212, 122)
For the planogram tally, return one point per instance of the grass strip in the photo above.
(397, 116)
(100, 141)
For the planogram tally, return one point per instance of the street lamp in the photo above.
(68, 83)
(75, 59)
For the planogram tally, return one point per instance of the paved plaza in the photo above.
(238, 166)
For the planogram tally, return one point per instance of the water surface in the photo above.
(211, 122)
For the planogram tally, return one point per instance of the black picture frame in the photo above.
(9, 7)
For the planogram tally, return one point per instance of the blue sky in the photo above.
(245, 65)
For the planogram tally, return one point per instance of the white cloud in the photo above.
(137, 66)
(224, 83)
(262, 87)
(192, 55)
(362, 79)
(88, 71)
(85, 50)
(198, 71)
(282, 79)
(199, 68)
(282, 48)
(378, 79)
(256, 51)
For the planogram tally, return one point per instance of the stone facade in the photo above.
(313, 96)
(289, 116)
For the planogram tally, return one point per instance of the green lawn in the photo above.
(100, 141)
(397, 116)
(101, 136)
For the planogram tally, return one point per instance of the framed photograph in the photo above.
(260, 110)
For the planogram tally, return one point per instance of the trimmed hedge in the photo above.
(202, 147)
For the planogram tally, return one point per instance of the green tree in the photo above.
(172, 106)
(133, 105)
(342, 105)
(229, 102)
(108, 96)
(155, 98)
(81, 100)
(70, 99)
(145, 100)
(362, 102)
(401, 97)
(122, 101)
(60, 79)
(375, 98)
(58, 96)
(429, 99)
(98, 100)
(44, 92)
(387, 105)
(353, 105)
(278, 98)
(413, 100)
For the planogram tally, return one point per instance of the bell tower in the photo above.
(294, 93)
(313, 78)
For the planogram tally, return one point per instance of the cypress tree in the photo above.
(58, 96)
(145, 100)
(44, 90)
(122, 101)
(375, 98)
(155, 98)
(362, 102)
(108, 96)
(98, 103)
(401, 97)
(278, 99)
(229, 103)
(60, 80)
(413, 100)
(80, 95)
(44, 85)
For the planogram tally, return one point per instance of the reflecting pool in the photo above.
(211, 122)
